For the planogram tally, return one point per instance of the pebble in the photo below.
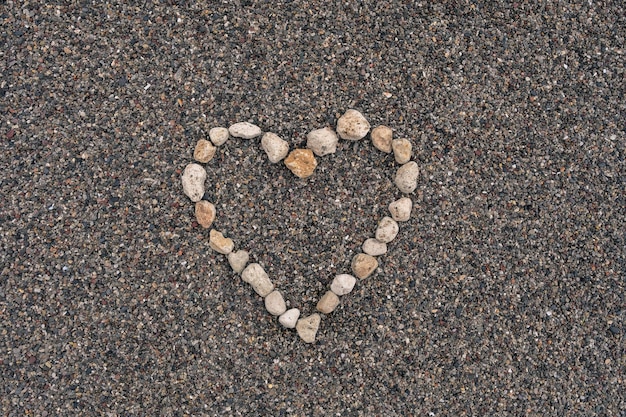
(328, 303)
(255, 275)
(219, 243)
(363, 265)
(374, 247)
(193, 180)
(381, 138)
(275, 147)
(238, 260)
(205, 213)
(244, 130)
(275, 303)
(352, 125)
(406, 177)
(218, 135)
(401, 150)
(401, 209)
(322, 141)
(343, 284)
(301, 162)
(289, 318)
(204, 152)
(307, 327)
(387, 230)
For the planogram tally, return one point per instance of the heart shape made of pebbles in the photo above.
(351, 126)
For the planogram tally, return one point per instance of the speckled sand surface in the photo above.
(503, 295)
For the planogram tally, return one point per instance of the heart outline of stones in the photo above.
(351, 126)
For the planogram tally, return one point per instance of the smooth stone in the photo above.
(322, 141)
(193, 180)
(275, 147)
(381, 138)
(289, 318)
(238, 260)
(205, 213)
(219, 243)
(301, 162)
(406, 177)
(374, 247)
(307, 327)
(244, 130)
(343, 284)
(387, 230)
(401, 150)
(275, 303)
(352, 125)
(218, 135)
(401, 209)
(204, 151)
(255, 275)
(363, 265)
(328, 303)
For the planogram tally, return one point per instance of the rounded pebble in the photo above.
(218, 135)
(406, 177)
(322, 141)
(204, 152)
(205, 213)
(255, 275)
(387, 230)
(307, 327)
(275, 303)
(381, 138)
(363, 265)
(275, 147)
(301, 162)
(219, 243)
(193, 179)
(238, 260)
(328, 303)
(352, 125)
(289, 318)
(244, 130)
(343, 284)
(374, 247)
(401, 150)
(401, 209)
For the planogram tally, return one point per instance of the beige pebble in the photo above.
(406, 177)
(374, 247)
(387, 229)
(244, 130)
(363, 265)
(193, 179)
(204, 152)
(307, 327)
(401, 150)
(219, 243)
(275, 147)
(301, 162)
(238, 260)
(352, 125)
(322, 141)
(275, 303)
(381, 138)
(255, 275)
(205, 213)
(343, 284)
(328, 303)
(401, 209)
(218, 135)
(289, 318)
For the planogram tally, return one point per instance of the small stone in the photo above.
(401, 209)
(406, 177)
(387, 230)
(374, 247)
(218, 135)
(301, 162)
(205, 213)
(289, 318)
(328, 303)
(238, 260)
(322, 141)
(352, 125)
(204, 152)
(363, 265)
(219, 243)
(401, 150)
(255, 275)
(307, 327)
(343, 284)
(275, 148)
(244, 130)
(275, 303)
(193, 180)
(381, 138)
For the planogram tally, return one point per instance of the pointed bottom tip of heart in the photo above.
(307, 327)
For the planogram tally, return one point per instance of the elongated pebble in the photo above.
(406, 177)
(193, 179)
(374, 247)
(244, 130)
(387, 229)
(289, 318)
(343, 284)
(255, 275)
(381, 138)
(275, 303)
(401, 150)
(205, 213)
(401, 209)
(307, 327)
(219, 243)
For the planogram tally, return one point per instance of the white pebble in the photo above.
(244, 130)
(289, 318)
(238, 260)
(401, 209)
(322, 141)
(275, 303)
(343, 284)
(193, 180)
(275, 147)
(307, 327)
(387, 230)
(374, 247)
(255, 275)
(401, 150)
(218, 135)
(406, 177)
(352, 125)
